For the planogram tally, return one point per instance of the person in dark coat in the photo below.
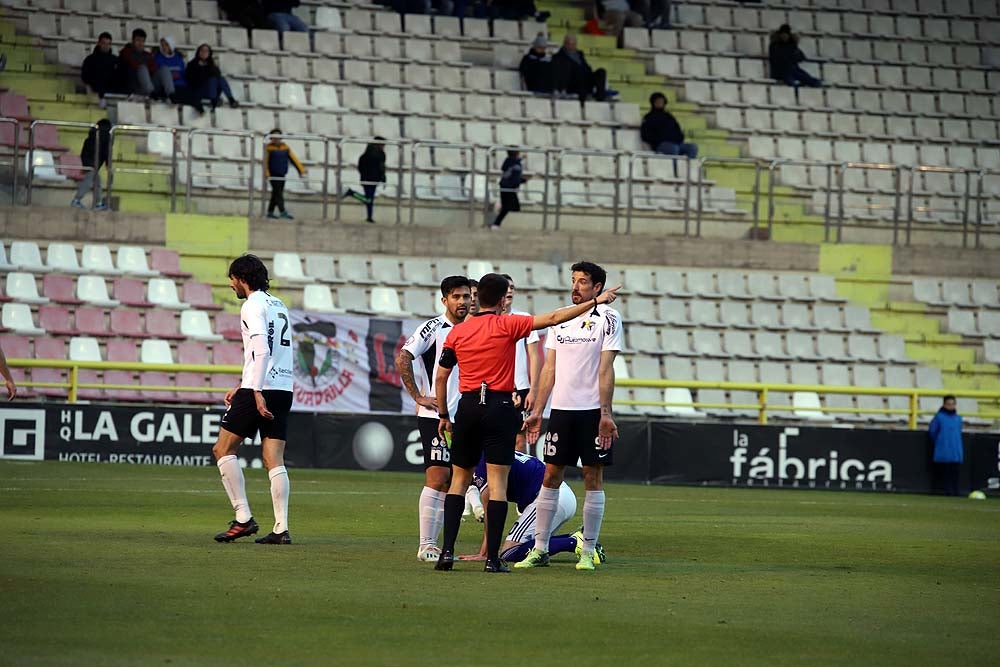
(785, 55)
(97, 143)
(661, 131)
(371, 169)
(248, 13)
(100, 69)
(946, 434)
(571, 74)
(280, 16)
(536, 67)
(205, 80)
(512, 178)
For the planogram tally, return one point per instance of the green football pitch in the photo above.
(104, 565)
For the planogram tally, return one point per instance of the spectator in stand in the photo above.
(248, 13)
(655, 13)
(662, 131)
(785, 55)
(280, 16)
(515, 10)
(536, 67)
(371, 169)
(946, 434)
(618, 15)
(167, 57)
(205, 80)
(512, 178)
(276, 160)
(571, 74)
(99, 140)
(100, 69)
(142, 75)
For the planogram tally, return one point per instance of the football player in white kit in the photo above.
(425, 346)
(579, 373)
(260, 402)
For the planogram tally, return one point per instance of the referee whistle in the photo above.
(482, 394)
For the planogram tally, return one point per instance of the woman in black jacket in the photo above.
(785, 55)
(371, 168)
(205, 80)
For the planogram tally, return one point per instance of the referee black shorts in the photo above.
(243, 419)
(572, 435)
(489, 429)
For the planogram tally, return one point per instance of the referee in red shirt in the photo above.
(487, 420)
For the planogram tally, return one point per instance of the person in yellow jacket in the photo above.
(277, 156)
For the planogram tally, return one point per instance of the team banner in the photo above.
(347, 364)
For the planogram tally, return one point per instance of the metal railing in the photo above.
(764, 406)
(976, 216)
(32, 138)
(73, 384)
(15, 161)
(245, 140)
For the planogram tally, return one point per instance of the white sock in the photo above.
(431, 514)
(232, 482)
(593, 514)
(545, 510)
(473, 499)
(280, 489)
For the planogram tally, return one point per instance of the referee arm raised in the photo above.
(487, 421)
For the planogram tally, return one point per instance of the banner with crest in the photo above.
(345, 363)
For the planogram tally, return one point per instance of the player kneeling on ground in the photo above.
(522, 488)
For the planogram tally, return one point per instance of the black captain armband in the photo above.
(448, 358)
(443, 415)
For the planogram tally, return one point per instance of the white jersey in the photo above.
(425, 345)
(265, 315)
(578, 345)
(522, 378)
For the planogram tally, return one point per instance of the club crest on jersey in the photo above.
(321, 361)
(587, 325)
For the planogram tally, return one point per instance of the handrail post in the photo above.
(772, 170)
(897, 177)
(559, 179)
(472, 187)
(701, 204)
(31, 163)
(413, 177)
(16, 167)
(490, 152)
(74, 377)
(756, 191)
(829, 202)
(965, 210)
(629, 198)
(326, 180)
(909, 212)
(912, 421)
(687, 193)
(252, 172)
(545, 192)
(841, 170)
(173, 169)
(399, 185)
(762, 414)
(617, 195)
(189, 160)
(979, 206)
(340, 184)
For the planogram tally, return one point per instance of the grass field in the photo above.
(104, 565)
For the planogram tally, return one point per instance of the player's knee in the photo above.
(221, 449)
(593, 478)
(553, 477)
(437, 478)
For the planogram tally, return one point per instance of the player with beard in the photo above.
(579, 373)
(425, 346)
(260, 402)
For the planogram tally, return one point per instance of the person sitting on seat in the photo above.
(100, 69)
(144, 78)
(785, 55)
(571, 74)
(536, 67)
(662, 131)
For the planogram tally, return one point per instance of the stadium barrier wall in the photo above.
(648, 451)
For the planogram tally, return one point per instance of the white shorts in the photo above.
(523, 529)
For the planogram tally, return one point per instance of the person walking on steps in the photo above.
(371, 169)
(277, 157)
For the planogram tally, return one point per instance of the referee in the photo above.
(487, 419)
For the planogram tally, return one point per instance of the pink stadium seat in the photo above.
(126, 322)
(123, 378)
(56, 320)
(86, 376)
(196, 380)
(13, 105)
(131, 292)
(122, 350)
(60, 289)
(227, 355)
(91, 321)
(228, 326)
(70, 166)
(50, 348)
(199, 295)
(162, 324)
(18, 347)
(156, 378)
(7, 135)
(193, 352)
(167, 262)
(47, 137)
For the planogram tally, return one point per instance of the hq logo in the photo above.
(22, 435)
